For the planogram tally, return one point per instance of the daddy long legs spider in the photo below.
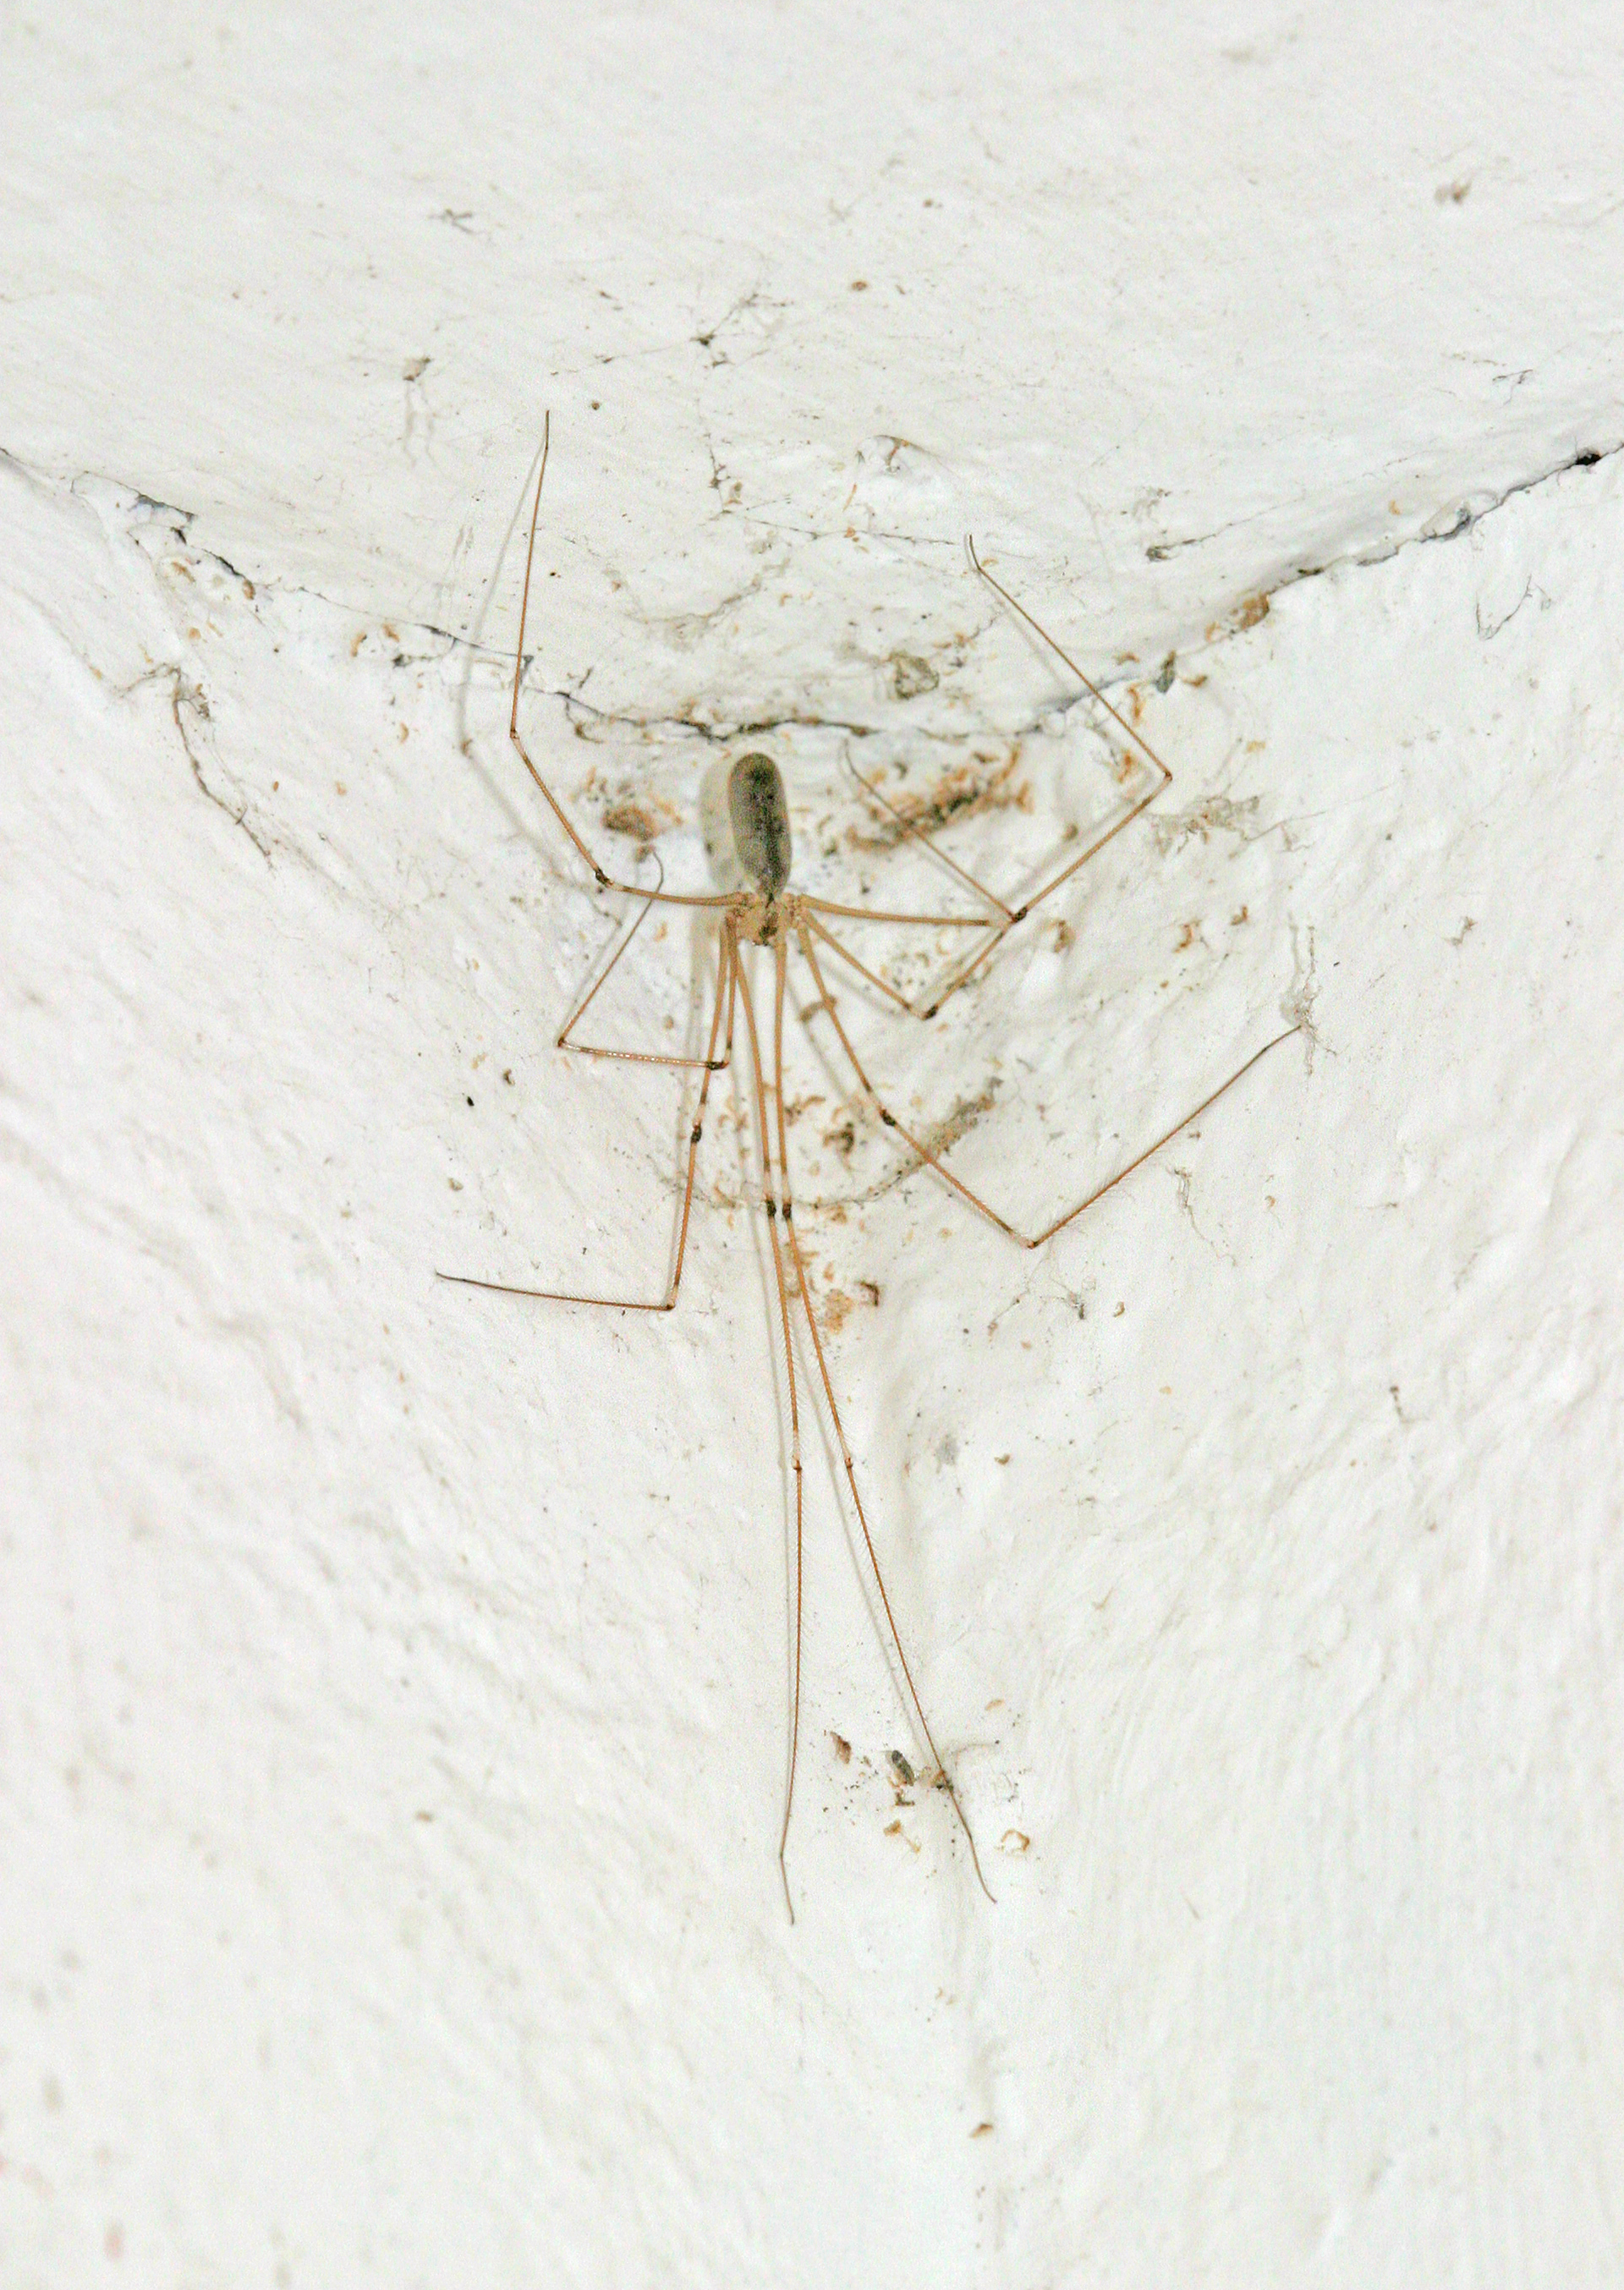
(790, 926)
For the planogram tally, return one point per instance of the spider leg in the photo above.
(907, 826)
(604, 881)
(769, 1188)
(826, 1002)
(803, 1288)
(1012, 916)
(884, 915)
(862, 968)
(1163, 778)
(632, 1057)
(667, 1303)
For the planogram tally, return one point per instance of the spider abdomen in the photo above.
(759, 812)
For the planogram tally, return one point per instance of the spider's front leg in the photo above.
(600, 874)
(1011, 915)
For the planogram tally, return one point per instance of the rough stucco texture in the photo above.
(393, 1709)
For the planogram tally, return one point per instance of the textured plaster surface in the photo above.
(392, 1700)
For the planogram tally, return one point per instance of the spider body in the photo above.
(758, 810)
(765, 913)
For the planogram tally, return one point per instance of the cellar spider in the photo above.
(783, 924)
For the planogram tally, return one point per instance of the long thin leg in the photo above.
(732, 986)
(1037, 628)
(934, 1161)
(630, 1057)
(804, 1290)
(667, 1302)
(1163, 778)
(862, 968)
(882, 915)
(765, 1134)
(1012, 915)
(907, 826)
(605, 882)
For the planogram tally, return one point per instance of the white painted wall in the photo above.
(393, 1707)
